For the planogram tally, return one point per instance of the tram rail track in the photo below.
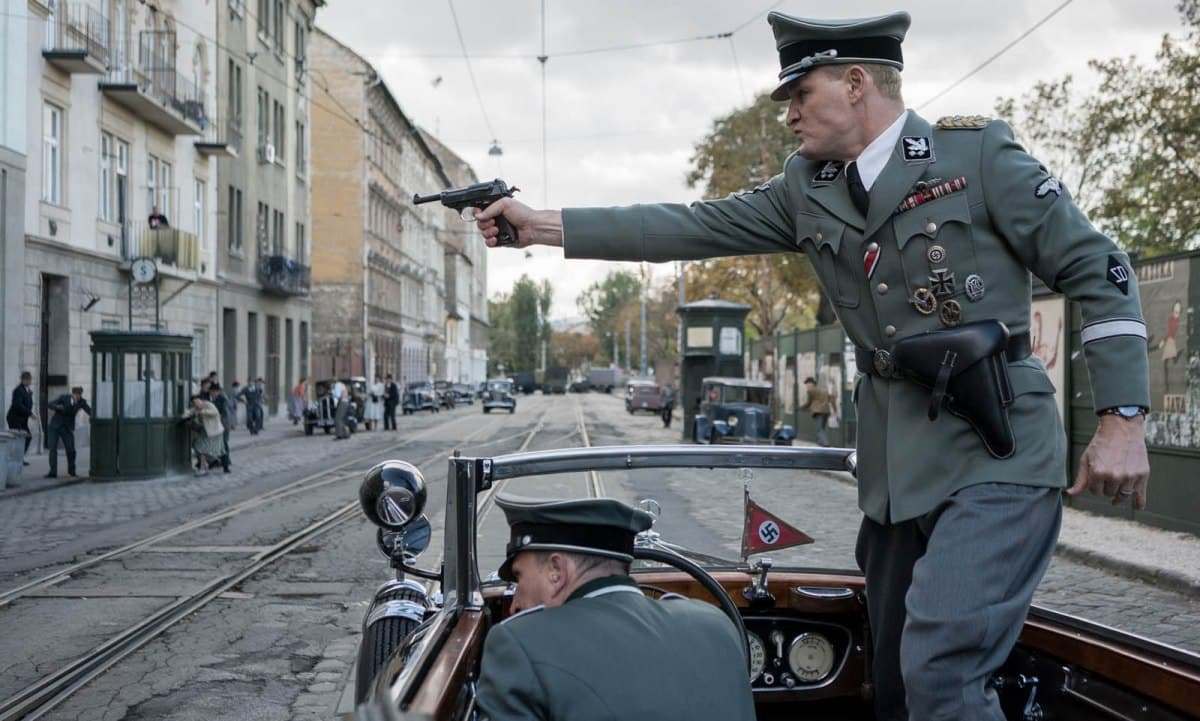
(41, 696)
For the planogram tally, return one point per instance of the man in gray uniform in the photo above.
(584, 644)
(924, 236)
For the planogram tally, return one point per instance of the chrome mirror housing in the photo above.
(410, 542)
(393, 495)
(852, 463)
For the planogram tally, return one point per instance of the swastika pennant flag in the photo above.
(764, 531)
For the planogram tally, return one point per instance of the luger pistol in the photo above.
(479, 195)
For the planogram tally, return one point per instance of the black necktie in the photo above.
(858, 191)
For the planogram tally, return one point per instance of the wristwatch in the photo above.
(1126, 412)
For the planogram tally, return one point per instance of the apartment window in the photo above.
(261, 219)
(235, 220)
(277, 239)
(264, 120)
(301, 51)
(264, 16)
(234, 102)
(106, 176)
(279, 25)
(301, 247)
(152, 184)
(301, 150)
(164, 190)
(237, 8)
(121, 187)
(52, 154)
(279, 138)
(198, 208)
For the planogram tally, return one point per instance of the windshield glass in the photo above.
(741, 394)
(503, 386)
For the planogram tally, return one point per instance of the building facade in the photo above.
(14, 49)
(379, 260)
(263, 198)
(118, 96)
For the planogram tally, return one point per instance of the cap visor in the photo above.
(781, 92)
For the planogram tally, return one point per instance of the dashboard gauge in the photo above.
(811, 657)
(758, 655)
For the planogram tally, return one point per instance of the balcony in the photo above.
(154, 90)
(77, 39)
(222, 137)
(169, 246)
(280, 275)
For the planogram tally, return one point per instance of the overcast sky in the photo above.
(621, 125)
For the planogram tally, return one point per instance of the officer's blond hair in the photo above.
(885, 77)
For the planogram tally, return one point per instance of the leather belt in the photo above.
(878, 362)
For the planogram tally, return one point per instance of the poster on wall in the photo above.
(1174, 420)
(1047, 321)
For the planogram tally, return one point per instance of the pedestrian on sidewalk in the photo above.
(374, 411)
(667, 399)
(62, 427)
(208, 433)
(818, 402)
(341, 408)
(252, 396)
(298, 401)
(20, 410)
(226, 408)
(391, 399)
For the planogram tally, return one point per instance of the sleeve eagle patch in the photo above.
(963, 122)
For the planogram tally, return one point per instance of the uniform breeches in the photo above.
(947, 595)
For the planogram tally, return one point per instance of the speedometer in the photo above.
(811, 657)
(758, 655)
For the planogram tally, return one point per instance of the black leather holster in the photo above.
(966, 370)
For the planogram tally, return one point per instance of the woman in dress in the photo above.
(298, 401)
(209, 442)
(373, 413)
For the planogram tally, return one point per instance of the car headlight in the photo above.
(733, 421)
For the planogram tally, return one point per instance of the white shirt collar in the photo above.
(875, 156)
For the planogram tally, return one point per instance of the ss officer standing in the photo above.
(62, 428)
(924, 233)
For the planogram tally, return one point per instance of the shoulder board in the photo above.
(963, 122)
(526, 612)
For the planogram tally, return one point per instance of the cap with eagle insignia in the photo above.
(804, 44)
(962, 122)
(593, 526)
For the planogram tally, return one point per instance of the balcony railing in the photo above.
(222, 137)
(168, 246)
(154, 89)
(281, 275)
(77, 39)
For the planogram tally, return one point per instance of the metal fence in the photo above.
(222, 131)
(170, 246)
(282, 275)
(155, 75)
(75, 27)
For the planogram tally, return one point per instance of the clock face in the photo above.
(142, 270)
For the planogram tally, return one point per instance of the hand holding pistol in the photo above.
(480, 195)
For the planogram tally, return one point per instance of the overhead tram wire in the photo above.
(997, 54)
(470, 72)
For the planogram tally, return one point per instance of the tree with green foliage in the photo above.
(519, 325)
(602, 302)
(1129, 151)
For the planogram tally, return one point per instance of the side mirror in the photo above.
(411, 541)
(393, 494)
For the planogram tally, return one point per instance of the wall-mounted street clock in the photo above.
(143, 270)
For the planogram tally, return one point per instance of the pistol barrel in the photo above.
(418, 199)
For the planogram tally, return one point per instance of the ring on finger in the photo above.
(1125, 493)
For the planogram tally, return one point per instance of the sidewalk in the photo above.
(1167, 559)
(33, 478)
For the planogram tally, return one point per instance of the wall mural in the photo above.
(1174, 419)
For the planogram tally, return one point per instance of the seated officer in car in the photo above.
(584, 643)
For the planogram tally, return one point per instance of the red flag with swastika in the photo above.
(764, 531)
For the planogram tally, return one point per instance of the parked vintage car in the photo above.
(499, 393)
(642, 395)
(419, 396)
(463, 393)
(445, 394)
(808, 646)
(737, 410)
(322, 411)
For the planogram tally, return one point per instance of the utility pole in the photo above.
(644, 291)
(679, 329)
(628, 351)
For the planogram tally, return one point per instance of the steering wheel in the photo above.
(704, 578)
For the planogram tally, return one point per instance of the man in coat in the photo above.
(253, 395)
(391, 399)
(916, 228)
(584, 644)
(62, 428)
(20, 409)
(228, 411)
(818, 404)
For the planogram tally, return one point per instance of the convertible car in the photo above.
(808, 646)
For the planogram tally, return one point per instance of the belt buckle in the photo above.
(884, 365)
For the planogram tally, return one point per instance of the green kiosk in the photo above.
(141, 382)
(713, 341)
